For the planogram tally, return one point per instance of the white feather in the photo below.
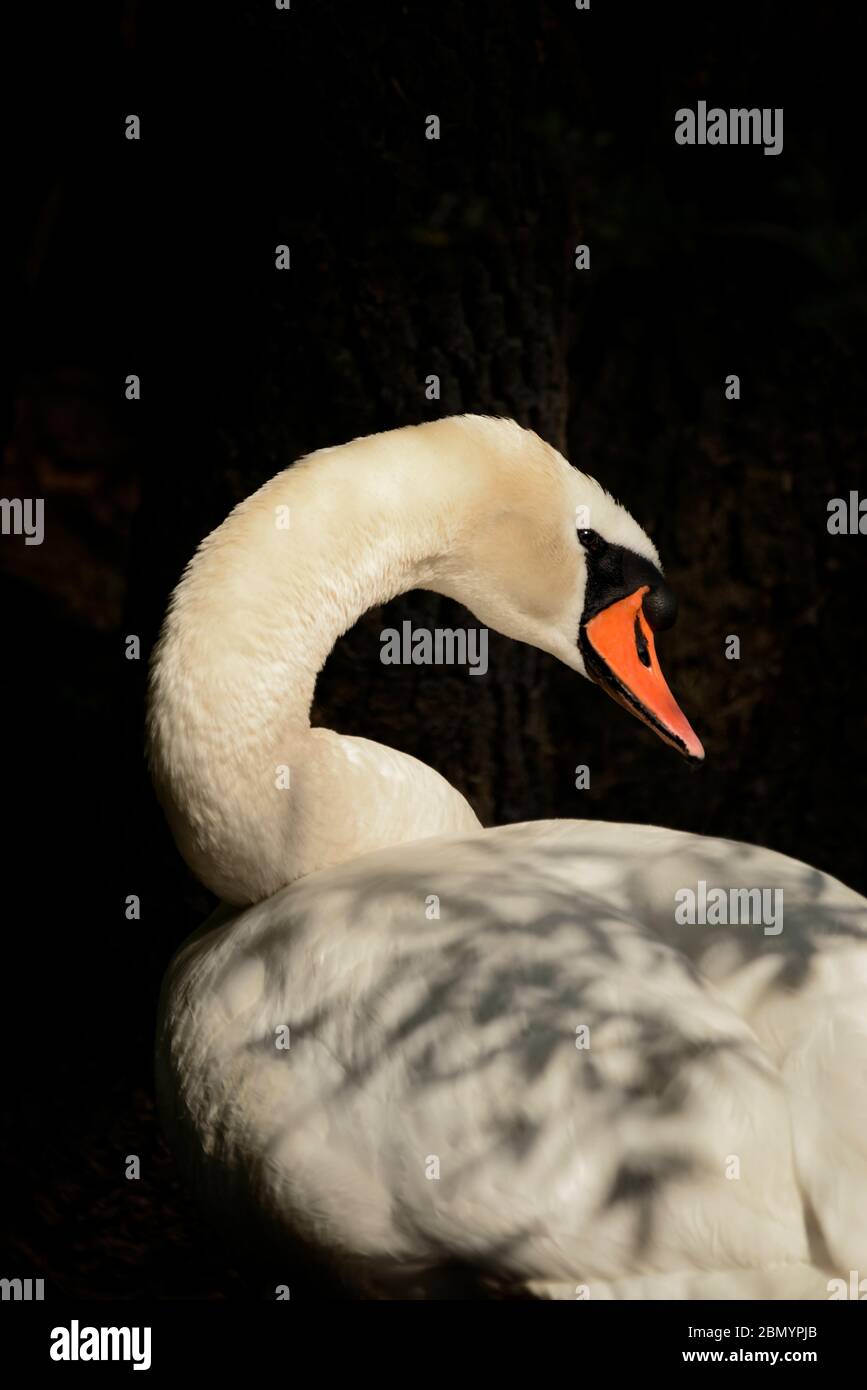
(433, 1106)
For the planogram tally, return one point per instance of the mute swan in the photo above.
(415, 1044)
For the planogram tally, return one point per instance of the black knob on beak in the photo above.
(660, 606)
(616, 572)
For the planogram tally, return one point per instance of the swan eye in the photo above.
(592, 542)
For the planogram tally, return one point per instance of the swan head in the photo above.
(548, 557)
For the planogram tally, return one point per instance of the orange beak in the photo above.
(620, 656)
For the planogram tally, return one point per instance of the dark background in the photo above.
(408, 257)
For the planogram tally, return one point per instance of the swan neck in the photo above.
(254, 796)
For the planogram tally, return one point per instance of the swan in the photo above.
(415, 1045)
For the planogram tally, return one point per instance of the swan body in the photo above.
(414, 1044)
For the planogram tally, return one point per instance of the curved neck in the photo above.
(255, 797)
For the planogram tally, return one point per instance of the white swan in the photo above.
(503, 1053)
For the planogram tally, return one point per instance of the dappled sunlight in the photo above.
(549, 1040)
